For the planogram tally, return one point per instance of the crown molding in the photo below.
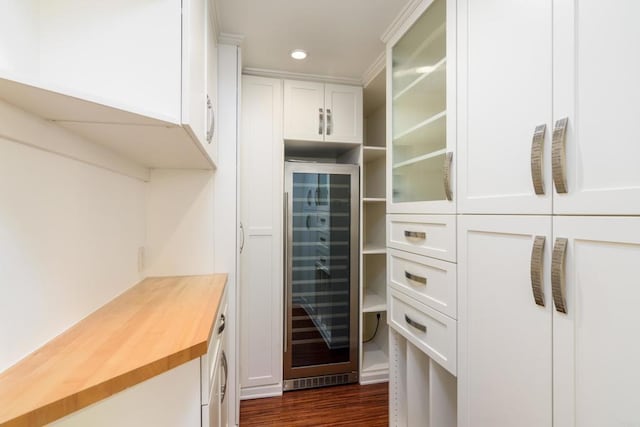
(374, 69)
(278, 74)
(232, 39)
(400, 20)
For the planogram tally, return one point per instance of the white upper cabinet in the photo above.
(596, 69)
(127, 75)
(505, 84)
(548, 106)
(343, 113)
(212, 88)
(322, 112)
(421, 112)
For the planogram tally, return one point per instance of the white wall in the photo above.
(19, 44)
(69, 239)
(180, 235)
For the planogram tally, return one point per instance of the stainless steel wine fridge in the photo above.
(321, 275)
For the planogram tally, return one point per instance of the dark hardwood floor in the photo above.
(346, 405)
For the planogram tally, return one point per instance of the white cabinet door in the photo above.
(212, 89)
(194, 98)
(596, 68)
(304, 113)
(596, 346)
(343, 106)
(504, 341)
(505, 92)
(261, 193)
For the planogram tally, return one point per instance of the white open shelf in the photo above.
(373, 153)
(374, 249)
(373, 358)
(373, 303)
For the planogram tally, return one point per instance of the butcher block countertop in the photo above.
(155, 326)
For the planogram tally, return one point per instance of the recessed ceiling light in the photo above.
(298, 54)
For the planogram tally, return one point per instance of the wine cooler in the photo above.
(321, 275)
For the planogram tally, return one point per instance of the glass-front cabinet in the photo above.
(421, 112)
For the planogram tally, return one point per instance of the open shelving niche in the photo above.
(374, 348)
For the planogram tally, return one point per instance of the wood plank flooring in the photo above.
(347, 405)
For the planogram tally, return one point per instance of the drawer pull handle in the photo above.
(537, 146)
(448, 158)
(558, 154)
(413, 277)
(537, 258)
(558, 283)
(418, 326)
(415, 234)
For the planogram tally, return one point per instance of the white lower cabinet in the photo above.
(529, 365)
(504, 345)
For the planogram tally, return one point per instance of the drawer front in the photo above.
(209, 361)
(428, 235)
(432, 332)
(428, 280)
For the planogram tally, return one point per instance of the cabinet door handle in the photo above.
(558, 156)
(329, 121)
(320, 121)
(418, 326)
(558, 283)
(211, 119)
(448, 158)
(225, 368)
(537, 149)
(537, 262)
(285, 271)
(415, 234)
(241, 237)
(413, 277)
(223, 324)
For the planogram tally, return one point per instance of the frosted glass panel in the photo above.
(418, 85)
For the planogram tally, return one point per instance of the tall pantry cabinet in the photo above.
(421, 221)
(547, 293)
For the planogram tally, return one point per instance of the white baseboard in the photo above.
(261, 391)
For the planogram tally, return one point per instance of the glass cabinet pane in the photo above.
(419, 109)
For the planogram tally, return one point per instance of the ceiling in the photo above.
(342, 37)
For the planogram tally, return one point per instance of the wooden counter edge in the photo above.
(56, 410)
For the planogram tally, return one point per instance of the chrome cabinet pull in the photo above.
(413, 277)
(558, 284)
(329, 121)
(448, 158)
(223, 324)
(415, 234)
(320, 121)
(285, 259)
(211, 119)
(242, 237)
(537, 149)
(558, 156)
(537, 262)
(418, 326)
(225, 367)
